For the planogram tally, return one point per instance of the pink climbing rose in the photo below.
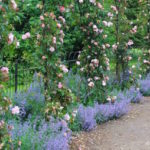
(5, 70)
(10, 38)
(26, 36)
(62, 9)
(60, 85)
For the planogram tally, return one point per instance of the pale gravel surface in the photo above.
(131, 132)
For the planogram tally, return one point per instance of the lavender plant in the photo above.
(60, 136)
(145, 86)
(41, 135)
(110, 111)
(88, 116)
(134, 95)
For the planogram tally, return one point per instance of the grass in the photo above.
(135, 53)
(10, 91)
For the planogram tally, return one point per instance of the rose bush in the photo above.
(92, 59)
(49, 39)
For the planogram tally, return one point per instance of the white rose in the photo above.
(52, 49)
(104, 83)
(67, 117)
(91, 84)
(15, 110)
(80, 1)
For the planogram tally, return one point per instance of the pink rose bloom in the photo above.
(110, 14)
(10, 38)
(64, 68)
(130, 42)
(14, 5)
(54, 40)
(99, 5)
(114, 8)
(58, 25)
(134, 29)
(28, 34)
(105, 23)
(114, 46)
(145, 61)
(129, 57)
(96, 78)
(43, 57)
(2, 123)
(91, 84)
(62, 19)
(92, 1)
(15, 110)
(104, 83)
(43, 25)
(5, 70)
(95, 61)
(80, 1)
(60, 85)
(52, 49)
(41, 17)
(107, 45)
(78, 63)
(82, 69)
(109, 24)
(95, 28)
(67, 117)
(24, 37)
(96, 43)
(62, 9)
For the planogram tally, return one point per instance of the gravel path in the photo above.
(131, 132)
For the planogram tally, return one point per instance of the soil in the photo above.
(131, 132)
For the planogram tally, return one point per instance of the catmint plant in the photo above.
(41, 135)
(145, 85)
(87, 117)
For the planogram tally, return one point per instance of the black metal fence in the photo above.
(20, 77)
(21, 74)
